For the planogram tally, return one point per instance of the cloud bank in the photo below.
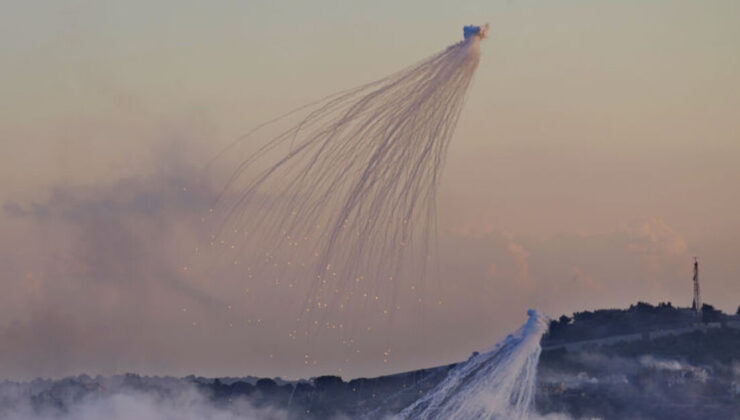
(105, 278)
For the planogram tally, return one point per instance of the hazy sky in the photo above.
(596, 155)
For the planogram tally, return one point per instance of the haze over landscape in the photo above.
(594, 158)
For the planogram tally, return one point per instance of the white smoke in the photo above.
(167, 399)
(499, 384)
(342, 205)
(662, 364)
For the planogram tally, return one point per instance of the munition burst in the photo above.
(344, 202)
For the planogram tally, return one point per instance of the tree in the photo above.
(266, 385)
(326, 382)
(710, 314)
(558, 326)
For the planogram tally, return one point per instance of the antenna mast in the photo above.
(697, 296)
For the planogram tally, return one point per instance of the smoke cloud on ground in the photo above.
(117, 398)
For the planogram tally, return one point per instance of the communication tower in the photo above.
(697, 295)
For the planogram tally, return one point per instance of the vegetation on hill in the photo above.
(639, 318)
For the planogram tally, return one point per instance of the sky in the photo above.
(594, 158)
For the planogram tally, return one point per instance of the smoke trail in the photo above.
(499, 384)
(348, 211)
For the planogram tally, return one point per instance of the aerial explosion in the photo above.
(342, 205)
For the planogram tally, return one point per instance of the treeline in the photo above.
(639, 318)
(330, 396)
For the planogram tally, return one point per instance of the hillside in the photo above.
(647, 362)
